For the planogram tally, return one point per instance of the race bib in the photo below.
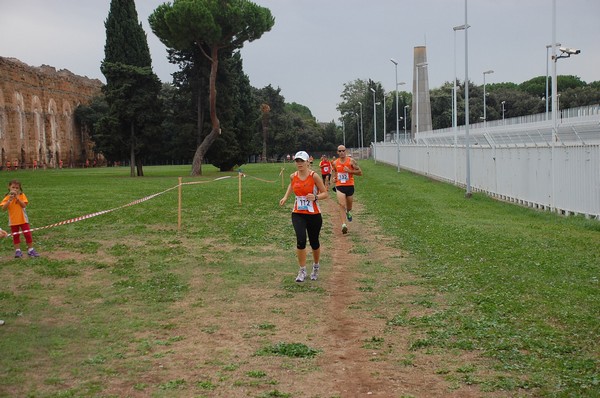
(326, 169)
(304, 204)
(343, 177)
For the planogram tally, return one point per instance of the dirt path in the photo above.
(353, 369)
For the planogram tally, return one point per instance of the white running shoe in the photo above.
(301, 275)
(315, 272)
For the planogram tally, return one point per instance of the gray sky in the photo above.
(318, 45)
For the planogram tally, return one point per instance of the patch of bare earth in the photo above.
(210, 339)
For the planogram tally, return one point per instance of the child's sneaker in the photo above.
(33, 253)
(18, 253)
(301, 275)
(315, 272)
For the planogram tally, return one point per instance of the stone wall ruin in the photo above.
(37, 121)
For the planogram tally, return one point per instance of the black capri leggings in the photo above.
(307, 223)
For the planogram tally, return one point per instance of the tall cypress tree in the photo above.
(126, 41)
(131, 87)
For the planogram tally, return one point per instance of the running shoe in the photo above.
(315, 272)
(33, 253)
(18, 253)
(344, 229)
(349, 216)
(301, 275)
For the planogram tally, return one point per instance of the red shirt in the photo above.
(325, 166)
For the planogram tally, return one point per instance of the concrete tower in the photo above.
(422, 121)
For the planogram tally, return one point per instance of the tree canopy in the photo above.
(209, 26)
(131, 88)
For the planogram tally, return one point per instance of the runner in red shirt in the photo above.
(325, 166)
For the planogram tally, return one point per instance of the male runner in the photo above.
(344, 169)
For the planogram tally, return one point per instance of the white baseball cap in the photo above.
(301, 155)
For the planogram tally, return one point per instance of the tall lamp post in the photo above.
(503, 102)
(467, 145)
(343, 131)
(357, 128)
(487, 72)
(548, 46)
(374, 126)
(420, 65)
(405, 108)
(454, 99)
(397, 118)
(455, 105)
(361, 130)
(384, 117)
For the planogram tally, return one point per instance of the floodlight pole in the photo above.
(468, 193)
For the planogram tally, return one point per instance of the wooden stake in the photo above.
(179, 207)
(240, 187)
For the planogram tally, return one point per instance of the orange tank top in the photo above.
(344, 179)
(302, 188)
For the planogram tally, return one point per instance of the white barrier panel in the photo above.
(565, 179)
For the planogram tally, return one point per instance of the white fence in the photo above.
(564, 177)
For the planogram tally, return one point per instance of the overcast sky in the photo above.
(318, 45)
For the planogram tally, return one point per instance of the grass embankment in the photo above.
(518, 286)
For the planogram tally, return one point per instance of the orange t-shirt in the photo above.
(344, 179)
(16, 214)
(302, 188)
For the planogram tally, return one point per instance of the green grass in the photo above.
(522, 286)
(108, 295)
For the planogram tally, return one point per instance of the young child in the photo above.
(15, 202)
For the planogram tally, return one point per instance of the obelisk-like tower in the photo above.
(421, 105)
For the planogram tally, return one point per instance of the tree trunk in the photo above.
(216, 125)
(140, 166)
(264, 128)
(132, 151)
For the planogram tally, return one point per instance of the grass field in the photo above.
(118, 304)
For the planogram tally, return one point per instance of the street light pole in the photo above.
(454, 97)
(468, 149)
(548, 46)
(362, 130)
(547, 56)
(422, 64)
(397, 118)
(357, 127)
(503, 122)
(487, 72)
(374, 126)
(405, 108)
(384, 117)
(343, 131)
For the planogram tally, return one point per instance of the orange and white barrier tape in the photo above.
(256, 178)
(99, 213)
